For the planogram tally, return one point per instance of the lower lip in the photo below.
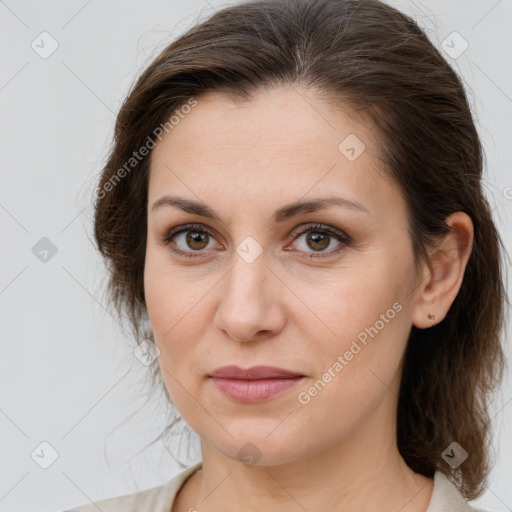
(250, 391)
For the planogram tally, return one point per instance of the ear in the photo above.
(443, 274)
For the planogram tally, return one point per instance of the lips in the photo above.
(254, 373)
(256, 384)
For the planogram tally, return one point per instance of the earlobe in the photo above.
(446, 267)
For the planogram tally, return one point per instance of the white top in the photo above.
(445, 497)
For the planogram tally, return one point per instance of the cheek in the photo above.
(179, 309)
(362, 316)
(176, 330)
(171, 299)
(170, 308)
(357, 358)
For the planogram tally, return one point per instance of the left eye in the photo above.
(318, 238)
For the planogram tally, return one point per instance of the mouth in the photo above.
(256, 384)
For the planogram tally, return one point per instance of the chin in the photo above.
(260, 443)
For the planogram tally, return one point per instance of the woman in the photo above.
(294, 204)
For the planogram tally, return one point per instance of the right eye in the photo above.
(193, 238)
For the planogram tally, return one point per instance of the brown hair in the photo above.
(365, 54)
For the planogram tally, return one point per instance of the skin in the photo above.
(285, 309)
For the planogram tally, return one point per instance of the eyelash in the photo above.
(345, 239)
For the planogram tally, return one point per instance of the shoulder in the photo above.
(155, 499)
(447, 498)
(144, 500)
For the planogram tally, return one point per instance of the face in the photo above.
(325, 292)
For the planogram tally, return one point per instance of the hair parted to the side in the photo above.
(365, 54)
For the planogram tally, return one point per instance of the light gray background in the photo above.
(67, 372)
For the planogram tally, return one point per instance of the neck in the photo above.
(363, 472)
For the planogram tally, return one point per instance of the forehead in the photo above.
(283, 141)
(286, 118)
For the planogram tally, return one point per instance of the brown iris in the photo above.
(320, 241)
(196, 237)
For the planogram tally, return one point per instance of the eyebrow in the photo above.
(280, 215)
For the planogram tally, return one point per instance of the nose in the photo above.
(251, 306)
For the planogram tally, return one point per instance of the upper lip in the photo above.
(254, 373)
